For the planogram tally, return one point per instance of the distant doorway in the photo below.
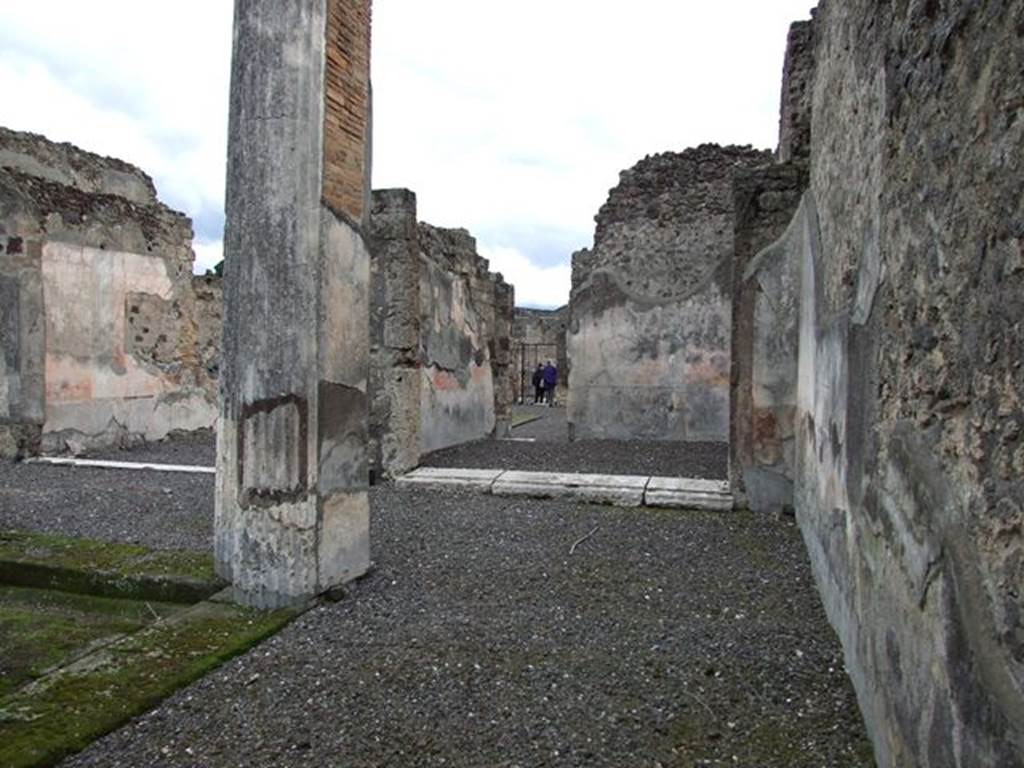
(526, 358)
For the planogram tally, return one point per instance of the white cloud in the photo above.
(510, 120)
(542, 287)
(208, 254)
(143, 82)
(513, 120)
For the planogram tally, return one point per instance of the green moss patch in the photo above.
(64, 711)
(40, 630)
(104, 568)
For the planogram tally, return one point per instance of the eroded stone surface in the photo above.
(440, 326)
(98, 331)
(292, 517)
(909, 482)
(649, 336)
(765, 336)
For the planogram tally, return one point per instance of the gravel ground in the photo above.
(195, 448)
(478, 640)
(552, 426)
(615, 457)
(153, 509)
(552, 452)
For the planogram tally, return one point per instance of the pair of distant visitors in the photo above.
(550, 382)
(538, 385)
(545, 379)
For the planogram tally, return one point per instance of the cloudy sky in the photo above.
(512, 120)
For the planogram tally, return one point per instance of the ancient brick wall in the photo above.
(209, 319)
(649, 336)
(347, 107)
(99, 338)
(440, 330)
(797, 93)
(910, 455)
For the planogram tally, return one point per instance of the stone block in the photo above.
(434, 477)
(688, 493)
(619, 490)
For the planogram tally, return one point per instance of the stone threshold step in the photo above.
(618, 490)
(130, 465)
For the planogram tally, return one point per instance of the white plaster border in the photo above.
(129, 465)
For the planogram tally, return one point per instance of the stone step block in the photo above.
(443, 477)
(620, 490)
(688, 493)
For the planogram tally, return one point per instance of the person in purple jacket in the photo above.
(550, 382)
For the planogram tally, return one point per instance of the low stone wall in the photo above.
(649, 336)
(99, 336)
(440, 326)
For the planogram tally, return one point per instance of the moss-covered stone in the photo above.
(66, 710)
(40, 629)
(104, 568)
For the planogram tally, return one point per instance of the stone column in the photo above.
(292, 512)
(504, 370)
(395, 377)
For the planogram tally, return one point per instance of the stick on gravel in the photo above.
(572, 549)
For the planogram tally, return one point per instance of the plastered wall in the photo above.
(440, 338)
(650, 313)
(98, 334)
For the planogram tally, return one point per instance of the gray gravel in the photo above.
(154, 509)
(666, 639)
(615, 457)
(549, 425)
(197, 448)
(552, 452)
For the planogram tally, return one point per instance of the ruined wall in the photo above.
(209, 318)
(910, 460)
(440, 338)
(501, 356)
(649, 336)
(98, 331)
(797, 93)
(765, 338)
(394, 333)
(457, 320)
(539, 335)
(766, 298)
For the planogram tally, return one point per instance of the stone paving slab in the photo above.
(688, 493)
(434, 477)
(620, 490)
